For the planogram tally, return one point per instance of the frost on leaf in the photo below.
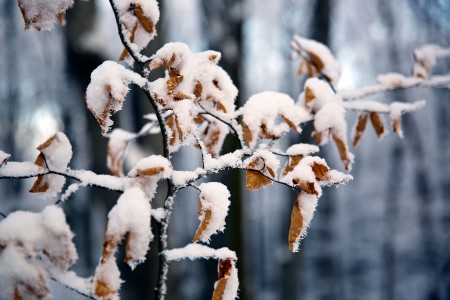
(317, 94)
(226, 287)
(261, 169)
(25, 239)
(301, 216)
(212, 210)
(359, 128)
(117, 146)
(55, 155)
(138, 19)
(269, 115)
(4, 157)
(330, 120)
(316, 59)
(107, 90)
(130, 216)
(42, 14)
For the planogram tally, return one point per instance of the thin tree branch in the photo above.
(2, 215)
(438, 81)
(72, 289)
(235, 132)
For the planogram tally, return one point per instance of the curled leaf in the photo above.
(345, 155)
(296, 226)
(257, 177)
(290, 164)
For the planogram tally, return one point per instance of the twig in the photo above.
(73, 289)
(2, 215)
(235, 132)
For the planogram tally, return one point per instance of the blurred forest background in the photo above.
(386, 235)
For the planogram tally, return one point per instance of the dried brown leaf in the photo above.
(145, 22)
(360, 127)
(150, 171)
(198, 89)
(397, 126)
(290, 164)
(377, 123)
(296, 225)
(173, 82)
(309, 97)
(171, 124)
(248, 136)
(125, 52)
(225, 269)
(308, 187)
(221, 107)
(60, 18)
(203, 225)
(103, 291)
(343, 152)
(180, 96)
(320, 171)
(291, 124)
(256, 180)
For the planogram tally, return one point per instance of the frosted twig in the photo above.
(198, 251)
(438, 81)
(235, 132)
(72, 288)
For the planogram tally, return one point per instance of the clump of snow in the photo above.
(264, 160)
(4, 157)
(427, 56)
(214, 204)
(397, 80)
(26, 237)
(197, 251)
(320, 55)
(148, 171)
(131, 215)
(317, 93)
(302, 149)
(107, 91)
(331, 118)
(262, 112)
(42, 14)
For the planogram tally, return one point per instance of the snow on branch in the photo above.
(197, 251)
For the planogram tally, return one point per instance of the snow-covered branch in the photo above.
(197, 251)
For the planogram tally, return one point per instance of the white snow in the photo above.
(4, 157)
(131, 215)
(397, 80)
(107, 91)
(301, 149)
(214, 197)
(42, 14)
(331, 117)
(265, 109)
(427, 55)
(26, 237)
(265, 159)
(197, 251)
